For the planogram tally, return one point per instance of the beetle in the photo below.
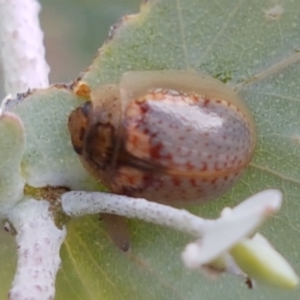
(173, 137)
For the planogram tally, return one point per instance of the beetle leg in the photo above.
(117, 229)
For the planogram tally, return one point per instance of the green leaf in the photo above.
(11, 181)
(240, 43)
(237, 42)
(49, 158)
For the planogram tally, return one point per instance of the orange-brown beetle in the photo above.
(173, 137)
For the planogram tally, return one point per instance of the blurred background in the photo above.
(74, 30)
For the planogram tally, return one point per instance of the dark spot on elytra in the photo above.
(193, 182)
(144, 108)
(204, 167)
(213, 181)
(206, 102)
(155, 151)
(176, 181)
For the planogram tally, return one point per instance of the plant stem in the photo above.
(39, 242)
(78, 203)
(22, 49)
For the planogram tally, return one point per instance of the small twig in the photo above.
(39, 242)
(78, 203)
(22, 49)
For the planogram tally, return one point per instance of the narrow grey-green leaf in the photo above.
(49, 158)
(11, 150)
